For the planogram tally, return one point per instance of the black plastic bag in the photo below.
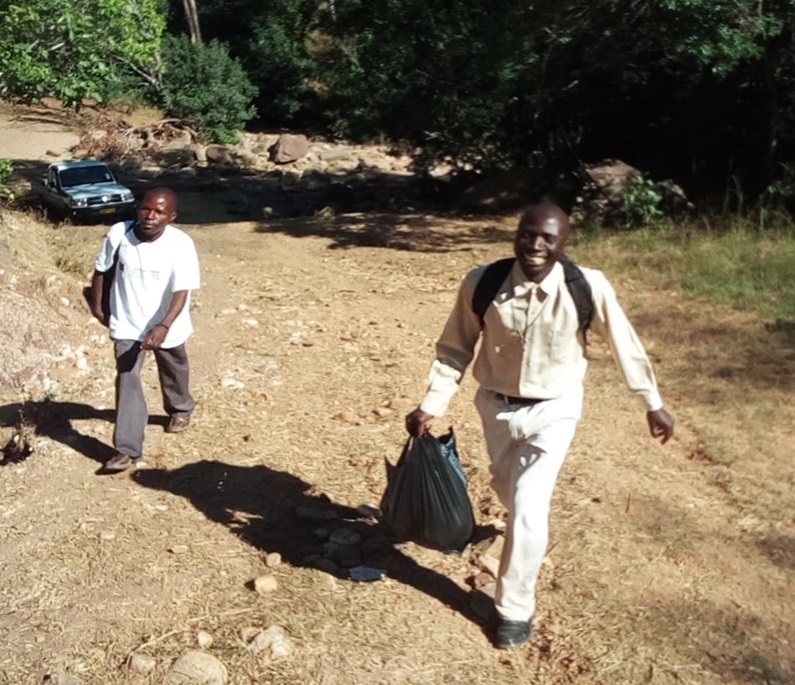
(426, 498)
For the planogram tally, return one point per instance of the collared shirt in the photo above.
(531, 346)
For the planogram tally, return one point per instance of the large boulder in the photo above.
(289, 148)
(220, 155)
(605, 186)
(608, 179)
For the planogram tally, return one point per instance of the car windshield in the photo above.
(85, 174)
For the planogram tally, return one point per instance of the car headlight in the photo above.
(78, 201)
(127, 197)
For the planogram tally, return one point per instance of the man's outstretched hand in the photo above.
(418, 422)
(661, 424)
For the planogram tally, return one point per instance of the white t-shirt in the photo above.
(147, 273)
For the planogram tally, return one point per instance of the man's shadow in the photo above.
(275, 511)
(53, 420)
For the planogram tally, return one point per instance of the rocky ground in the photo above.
(228, 559)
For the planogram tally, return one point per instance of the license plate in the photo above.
(108, 210)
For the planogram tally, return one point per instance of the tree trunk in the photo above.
(192, 15)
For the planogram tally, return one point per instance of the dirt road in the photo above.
(667, 564)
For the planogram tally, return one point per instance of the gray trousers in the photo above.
(131, 411)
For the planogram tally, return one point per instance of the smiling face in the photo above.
(540, 240)
(157, 210)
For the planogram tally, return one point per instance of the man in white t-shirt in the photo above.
(154, 267)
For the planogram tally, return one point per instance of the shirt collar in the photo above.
(550, 284)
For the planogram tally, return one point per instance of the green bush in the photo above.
(641, 200)
(203, 83)
(7, 193)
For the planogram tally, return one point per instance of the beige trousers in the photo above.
(527, 445)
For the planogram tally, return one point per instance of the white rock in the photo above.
(178, 549)
(65, 301)
(251, 323)
(281, 648)
(204, 639)
(142, 663)
(197, 668)
(232, 384)
(266, 584)
(274, 639)
(273, 559)
(107, 535)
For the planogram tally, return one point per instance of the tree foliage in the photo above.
(702, 91)
(280, 61)
(274, 42)
(447, 77)
(204, 83)
(503, 82)
(71, 51)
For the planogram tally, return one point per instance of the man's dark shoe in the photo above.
(177, 424)
(120, 462)
(511, 633)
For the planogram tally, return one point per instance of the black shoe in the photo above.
(511, 633)
(121, 462)
(177, 424)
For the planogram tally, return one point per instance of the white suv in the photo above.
(85, 189)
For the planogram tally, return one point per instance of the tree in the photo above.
(74, 50)
(204, 83)
(676, 84)
(192, 15)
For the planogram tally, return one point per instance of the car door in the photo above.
(49, 195)
(59, 199)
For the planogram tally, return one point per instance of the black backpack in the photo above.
(496, 273)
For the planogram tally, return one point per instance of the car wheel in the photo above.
(54, 215)
(62, 217)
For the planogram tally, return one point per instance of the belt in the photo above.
(524, 401)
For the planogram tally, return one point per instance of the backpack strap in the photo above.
(580, 291)
(495, 274)
(127, 229)
(489, 285)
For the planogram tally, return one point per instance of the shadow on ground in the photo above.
(275, 511)
(413, 232)
(727, 356)
(53, 420)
